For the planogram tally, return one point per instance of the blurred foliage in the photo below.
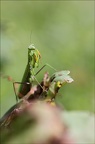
(63, 31)
(41, 123)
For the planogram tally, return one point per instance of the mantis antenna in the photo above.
(30, 36)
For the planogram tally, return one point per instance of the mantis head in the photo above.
(32, 47)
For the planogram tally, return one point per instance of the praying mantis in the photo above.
(48, 87)
(29, 74)
(51, 84)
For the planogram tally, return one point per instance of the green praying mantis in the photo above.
(29, 75)
(48, 87)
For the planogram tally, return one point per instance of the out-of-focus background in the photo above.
(63, 31)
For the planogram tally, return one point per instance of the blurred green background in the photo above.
(63, 31)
